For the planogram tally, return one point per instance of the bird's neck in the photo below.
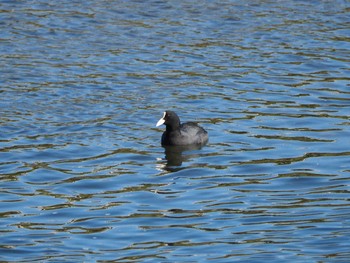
(172, 127)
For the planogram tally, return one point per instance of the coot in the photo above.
(181, 134)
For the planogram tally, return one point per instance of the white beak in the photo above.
(161, 121)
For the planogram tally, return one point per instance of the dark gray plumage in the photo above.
(181, 134)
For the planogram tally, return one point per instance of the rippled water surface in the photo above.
(83, 175)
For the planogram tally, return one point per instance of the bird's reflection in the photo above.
(176, 155)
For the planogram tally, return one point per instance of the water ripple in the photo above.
(82, 172)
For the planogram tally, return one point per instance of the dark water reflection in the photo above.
(83, 176)
(176, 155)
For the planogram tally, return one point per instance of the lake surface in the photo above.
(84, 177)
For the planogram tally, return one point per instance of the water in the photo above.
(83, 175)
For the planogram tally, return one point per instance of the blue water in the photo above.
(84, 177)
